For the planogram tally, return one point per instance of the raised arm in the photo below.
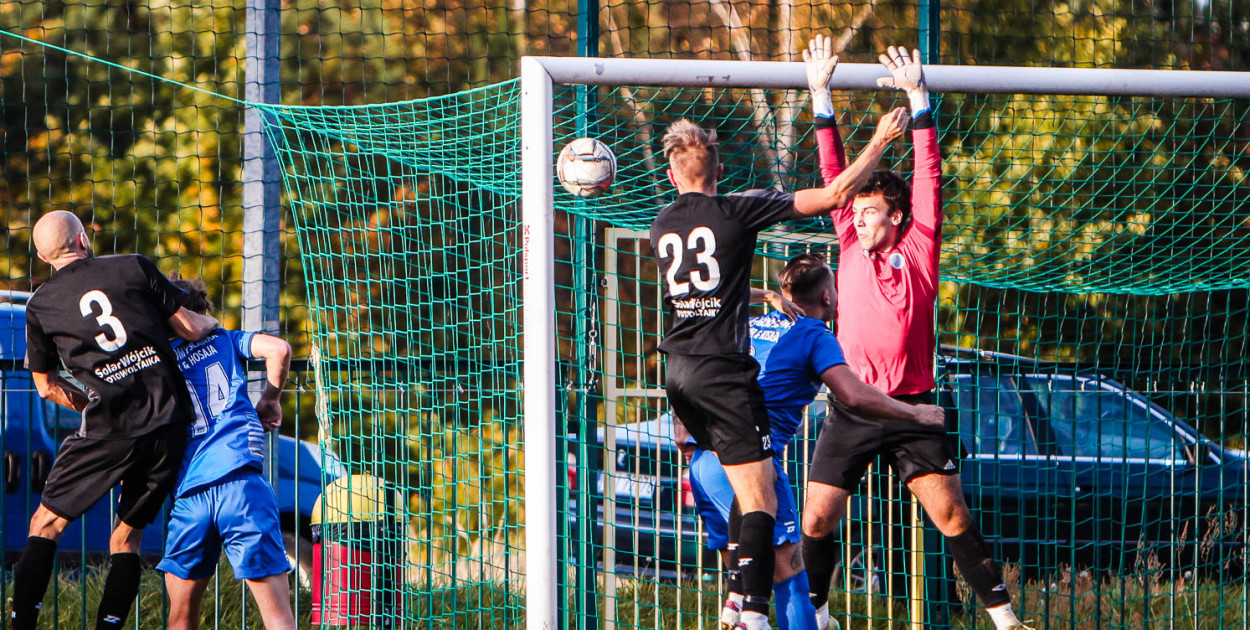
(907, 74)
(56, 388)
(276, 353)
(191, 325)
(821, 63)
(838, 193)
(866, 400)
(776, 301)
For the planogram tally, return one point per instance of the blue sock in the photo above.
(794, 606)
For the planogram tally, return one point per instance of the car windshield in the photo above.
(1090, 418)
(991, 418)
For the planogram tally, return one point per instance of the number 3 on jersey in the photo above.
(218, 387)
(105, 319)
(702, 243)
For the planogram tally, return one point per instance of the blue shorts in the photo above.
(714, 497)
(238, 513)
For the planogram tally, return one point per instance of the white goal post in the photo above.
(540, 74)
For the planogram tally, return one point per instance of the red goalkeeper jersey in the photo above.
(887, 299)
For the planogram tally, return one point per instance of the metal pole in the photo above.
(262, 184)
(585, 324)
(262, 194)
(863, 76)
(539, 350)
(930, 27)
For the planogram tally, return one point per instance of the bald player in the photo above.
(108, 321)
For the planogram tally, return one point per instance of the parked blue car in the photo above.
(33, 429)
(1061, 466)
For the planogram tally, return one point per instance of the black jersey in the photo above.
(107, 320)
(705, 246)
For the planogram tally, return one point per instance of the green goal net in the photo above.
(1094, 317)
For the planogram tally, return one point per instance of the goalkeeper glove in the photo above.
(820, 62)
(906, 74)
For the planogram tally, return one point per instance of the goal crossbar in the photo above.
(863, 76)
(540, 74)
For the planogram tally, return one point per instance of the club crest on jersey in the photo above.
(896, 260)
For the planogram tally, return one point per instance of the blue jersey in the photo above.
(766, 330)
(792, 356)
(226, 434)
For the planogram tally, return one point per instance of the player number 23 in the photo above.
(701, 242)
(105, 319)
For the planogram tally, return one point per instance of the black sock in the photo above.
(755, 561)
(120, 589)
(30, 581)
(820, 556)
(732, 574)
(978, 568)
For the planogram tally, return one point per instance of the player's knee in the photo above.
(788, 563)
(818, 524)
(953, 520)
(125, 539)
(45, 524)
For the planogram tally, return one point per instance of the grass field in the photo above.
(76, 593)
(1067, 602)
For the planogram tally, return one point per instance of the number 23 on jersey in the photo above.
(702, 244)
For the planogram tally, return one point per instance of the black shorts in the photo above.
(720, 401)
(848, 443)
(86, 469)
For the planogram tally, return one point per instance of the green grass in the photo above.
(72, 600)
(1068, 601)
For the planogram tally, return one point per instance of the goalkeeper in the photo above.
(889, 239)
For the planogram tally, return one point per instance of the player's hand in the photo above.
(779, 302)
(820, 61)
(891, 126)
(905, 70)
(931, 416)
(269, 408)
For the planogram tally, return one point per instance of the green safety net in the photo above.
(1093, 318)
(156, 169)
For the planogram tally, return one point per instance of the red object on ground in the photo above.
(351, 586)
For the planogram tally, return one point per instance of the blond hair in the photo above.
(691, 152)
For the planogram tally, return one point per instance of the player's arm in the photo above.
(44, 366)
(863, 399)
(838, 193)
(167, 298)
(276, 354)
(56, 388)
(907, 74)
(191, 325)
(776, 301)
(821, 63)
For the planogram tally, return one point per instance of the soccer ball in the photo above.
(586, 167)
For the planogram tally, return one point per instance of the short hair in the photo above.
(691, 151)
(196, 295)
(895, 189)
(804, 276)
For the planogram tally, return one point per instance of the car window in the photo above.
(991, 419)
(18, 395)
(1089, 419)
